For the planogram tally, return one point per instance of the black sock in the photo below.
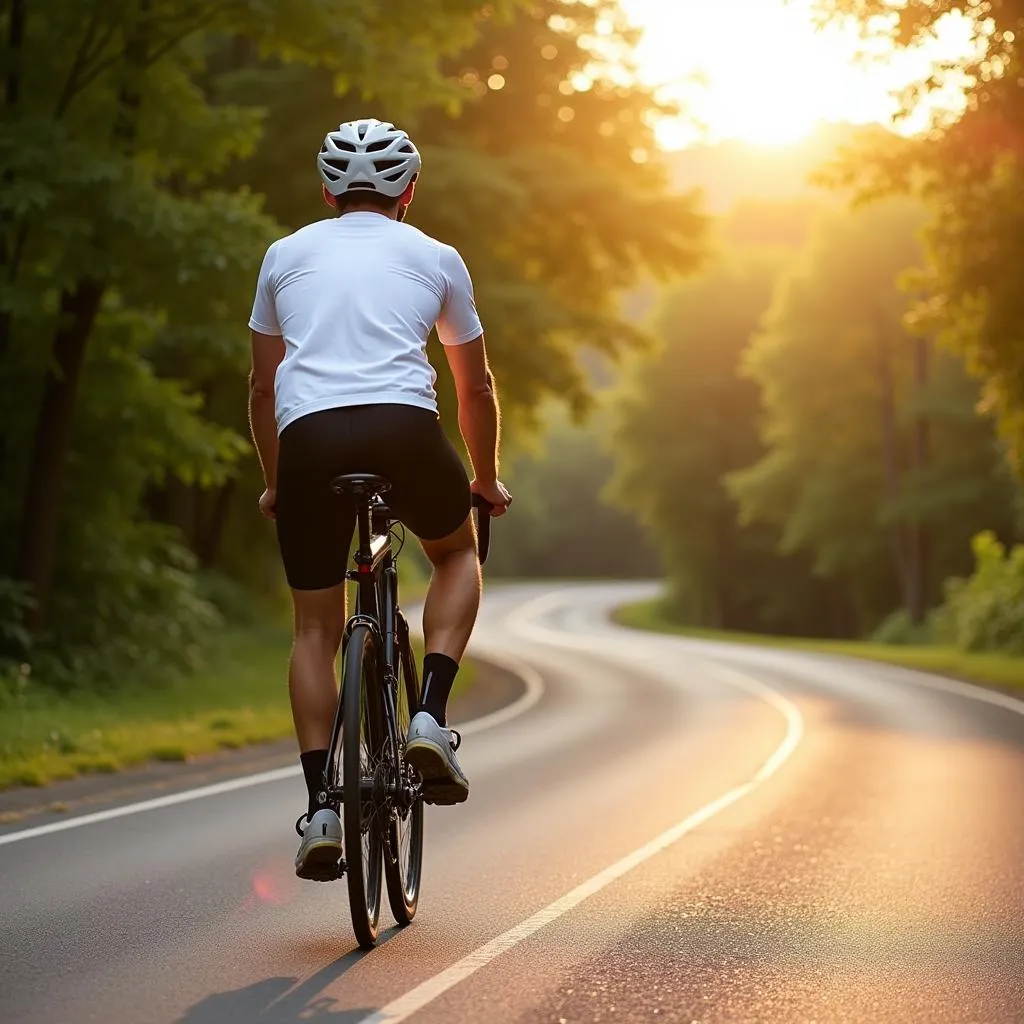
(313, 764)
(438, 677)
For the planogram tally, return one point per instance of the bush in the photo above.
(129, 611)
(897, 630)
(985, 612)
(15, 603)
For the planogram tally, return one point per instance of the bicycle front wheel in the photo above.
(403, 860)
(364, 781)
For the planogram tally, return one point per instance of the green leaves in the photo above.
(871, 435)
(983, 611)
(548, 184)
(970, 170)
(804, 462)
(122, 121)
(687, 419)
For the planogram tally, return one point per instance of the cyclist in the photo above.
(341, 383)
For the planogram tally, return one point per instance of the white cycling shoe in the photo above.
(430, 749)
(319, 853)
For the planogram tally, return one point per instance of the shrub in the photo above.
(15, 603)
(897, 630)
(129, 613)
(985, 612)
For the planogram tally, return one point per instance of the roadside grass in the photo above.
(240, 699)
(991, 669)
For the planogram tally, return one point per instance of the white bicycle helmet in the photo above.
(368, 154)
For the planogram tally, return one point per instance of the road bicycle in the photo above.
(367, 776)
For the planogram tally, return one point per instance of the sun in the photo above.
(764, 71)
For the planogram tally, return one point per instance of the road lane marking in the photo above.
(426, 992)
(217, 788)
(916, 677)
(530, 696)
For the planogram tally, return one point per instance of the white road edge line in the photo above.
(916, 677)
(522, 618)
(530, 696)
(416, 999)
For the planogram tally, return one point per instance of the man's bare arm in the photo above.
(267, 353)
(479, 417)
(478, 406)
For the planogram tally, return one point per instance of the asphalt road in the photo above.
(664, 829)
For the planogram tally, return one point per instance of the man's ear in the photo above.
(407, 196)
(328, 198)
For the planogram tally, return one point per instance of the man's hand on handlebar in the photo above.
(494, 494)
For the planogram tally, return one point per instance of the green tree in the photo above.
(546, 178)
(876, 465)
(126, 265)
(970, 168)
(563, 526)
(686, 418)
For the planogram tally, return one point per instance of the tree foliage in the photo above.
(686, 418)
(876, 464)
(547, 181)
(971, 168)
(983, 611)
(564, 526)
(119, 244)
(803, 462)
(153, 148)
(555, 216)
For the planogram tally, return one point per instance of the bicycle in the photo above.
(367, 775)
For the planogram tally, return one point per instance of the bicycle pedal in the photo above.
(332, 876)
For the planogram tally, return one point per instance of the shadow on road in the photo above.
(285, 1000)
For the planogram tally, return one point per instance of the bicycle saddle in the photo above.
(360, 484)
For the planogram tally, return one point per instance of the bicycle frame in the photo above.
(376, 576)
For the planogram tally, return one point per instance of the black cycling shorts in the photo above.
(429, 486)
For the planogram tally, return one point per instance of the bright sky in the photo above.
(760, 70)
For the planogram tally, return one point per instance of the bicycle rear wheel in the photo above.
(403, 858)
(364, 779)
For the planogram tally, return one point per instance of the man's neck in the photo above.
(369, 209)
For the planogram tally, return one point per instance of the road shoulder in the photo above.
(1000, 672)
(494, 687)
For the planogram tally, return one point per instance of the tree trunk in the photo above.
(8, 243)
(891, 461)
(917, 605)
(12, 96)
(213, 533)
(79, 305)
(40, 511)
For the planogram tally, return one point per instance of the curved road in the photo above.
(674, 830)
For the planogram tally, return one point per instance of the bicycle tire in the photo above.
(403, 858)
(362, 752)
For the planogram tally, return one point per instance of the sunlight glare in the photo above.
(760, 70)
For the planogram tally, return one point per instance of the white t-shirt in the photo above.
(355, 298)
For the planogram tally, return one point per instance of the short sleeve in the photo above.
(264, 312)
(459, 321)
